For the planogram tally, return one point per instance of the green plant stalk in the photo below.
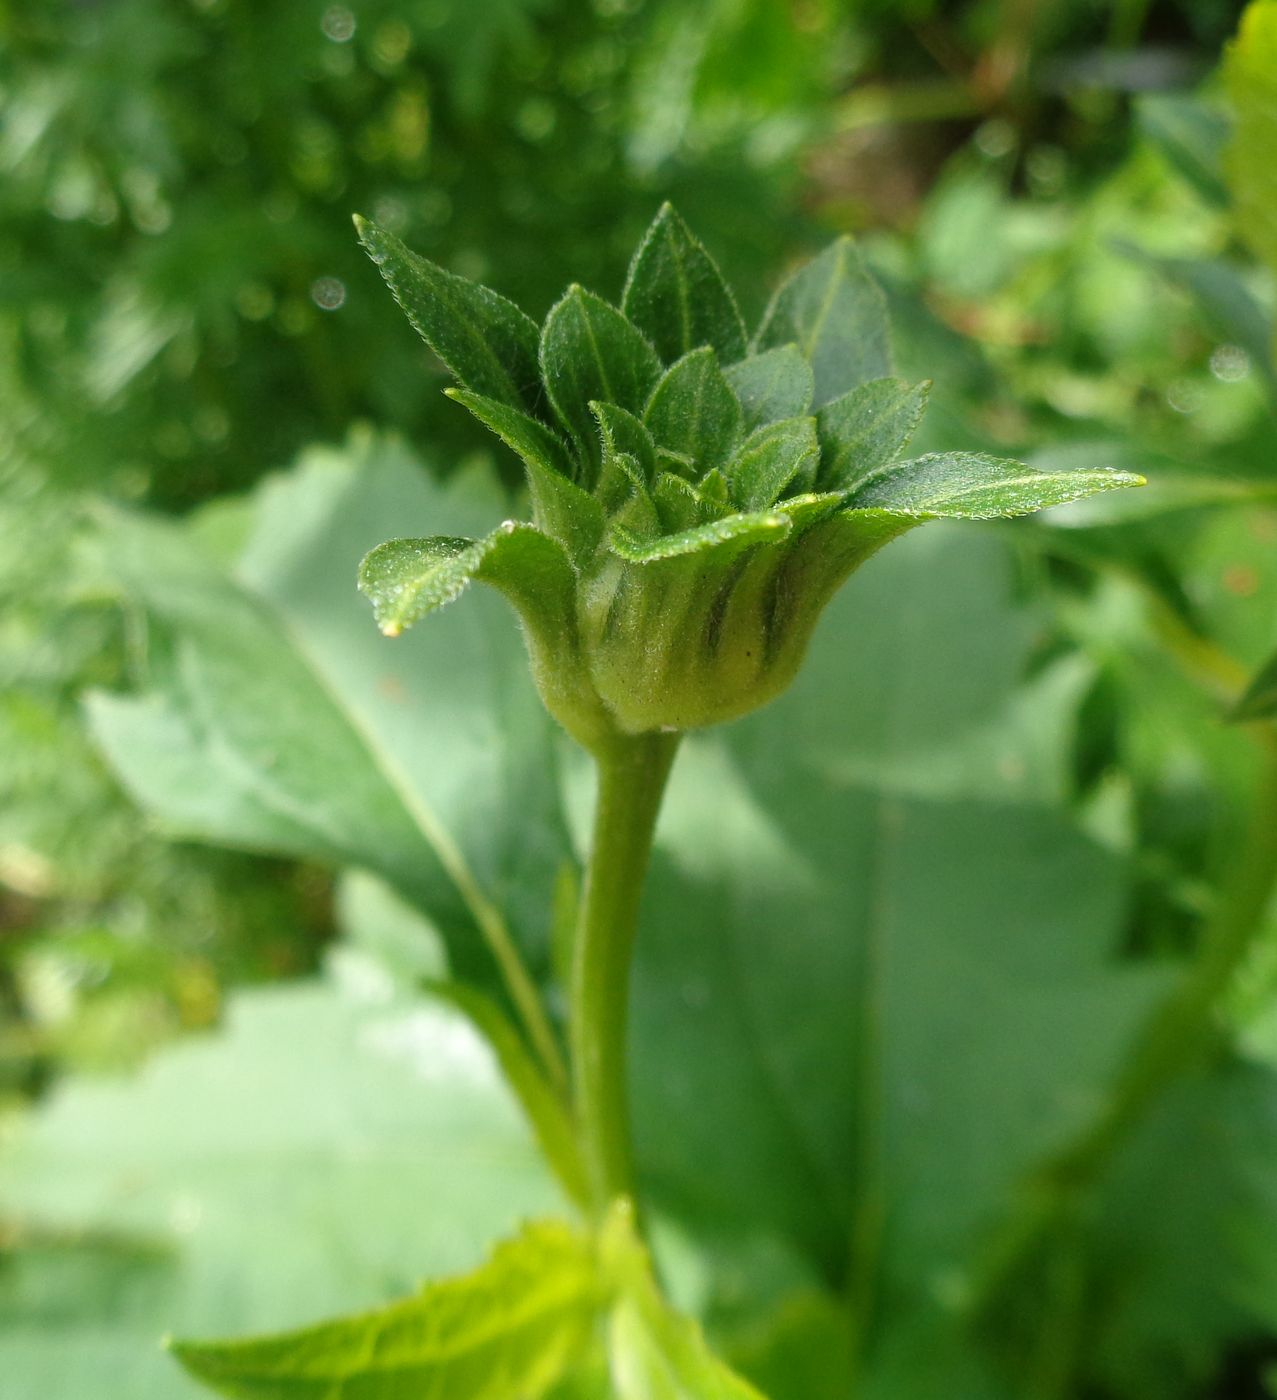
(1184, 1027)
(1181, 1032)
(632, 772)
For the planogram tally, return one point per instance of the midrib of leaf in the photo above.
(1034, 478)
(598, 356)
(487, 917)
(684, 306)
(826, 306)
(479, 342)
(254, 780)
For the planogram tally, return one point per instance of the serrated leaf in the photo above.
(1260, 699)
(590, 353)
(513, 1326)
(560, 508)
(693, 412)
(866, 429)
(487, 343)
(760, 524)
(677, 297)
(407, 579)
(1250, 78)
(272, 717)
(974, 486)
(654, 1353)
(772, 385)
(770, 459)
(837, 316)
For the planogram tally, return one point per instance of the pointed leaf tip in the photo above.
(976, 486)
(676, 295)
(487, 343)
(407, 579)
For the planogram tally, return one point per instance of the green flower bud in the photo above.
(697, 498)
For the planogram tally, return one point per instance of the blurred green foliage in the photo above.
(1072, 215)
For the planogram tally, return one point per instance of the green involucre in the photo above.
(691, 520)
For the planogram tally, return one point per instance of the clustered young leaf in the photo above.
(698, 495)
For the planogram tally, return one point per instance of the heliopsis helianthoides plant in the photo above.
(697, 497)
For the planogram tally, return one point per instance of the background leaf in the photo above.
(654, 1353)
(1260, 699)
(258, 1179)
(1250, 76)
(279, 719)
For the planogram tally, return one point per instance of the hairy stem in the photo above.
(632, 775)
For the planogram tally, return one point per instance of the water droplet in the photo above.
(1230, 363)
(1184, 396)
(328, 293)
(338, 24)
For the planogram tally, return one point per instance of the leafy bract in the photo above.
(486, 341)
(975, 486)
(768, 461)
(626, 435)
(772, 385)
(758, 525)
(407, 579)
(559, 507)
(590, 352)
(693, 413)
(866, 429)
(837, 316)
(676, 295)
(520, 1321)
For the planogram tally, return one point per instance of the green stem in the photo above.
(632, 775)
(1181, 1032)
(1184, 1027)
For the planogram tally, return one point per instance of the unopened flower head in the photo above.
(697, 494)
